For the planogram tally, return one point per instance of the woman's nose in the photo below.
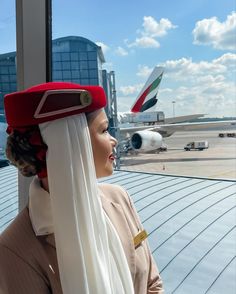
(113, 141)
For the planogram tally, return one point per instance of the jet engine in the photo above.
(143, 141)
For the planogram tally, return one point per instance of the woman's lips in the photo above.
(112, 157)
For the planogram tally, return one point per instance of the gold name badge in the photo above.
(140, 238)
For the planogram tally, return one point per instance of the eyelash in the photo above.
(105, 130)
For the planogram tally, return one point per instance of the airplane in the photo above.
(144, 139)
(149, 136)
(146, 99)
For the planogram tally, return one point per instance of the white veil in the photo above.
(90, 254)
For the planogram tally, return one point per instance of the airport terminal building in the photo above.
(74, 59)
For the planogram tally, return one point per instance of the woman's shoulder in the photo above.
(114, 193)
(111, 188)
(18, 237)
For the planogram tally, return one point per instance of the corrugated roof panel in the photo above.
(228, 274)
(190, 221)
(8, 196)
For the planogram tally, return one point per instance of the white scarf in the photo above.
(90, 254)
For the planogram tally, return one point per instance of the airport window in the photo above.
(65, 56)
(57, 75)
(12, 70)
(93, 82)
(13, 87)
(83, 56)
(74, 47)
(90, 47)
(75, 74)
(76, 81)
(56, 57)
(74, 56)
(3, 69)
(92, 64)
(4, 78)
(75, 65)
(84, 81)
(84, 74)
(81, 47)
(67, 80)
(189, 212)
(65, 65)
(62, 47)
(92, 55)
(57, 66)
(6, 87)
(12, 78)
(66, 75)
(83, 65)
(93, 74)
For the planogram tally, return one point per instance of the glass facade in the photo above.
(77, 60)
(74, 59)
(7, 75)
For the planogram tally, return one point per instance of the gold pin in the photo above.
(51, 268)
(140, 238)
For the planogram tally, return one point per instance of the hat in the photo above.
(50, 101)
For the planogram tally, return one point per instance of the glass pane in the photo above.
(130, 38)
(7, 64)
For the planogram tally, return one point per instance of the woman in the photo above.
(75, 236)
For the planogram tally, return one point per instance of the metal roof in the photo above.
(8, 196)
(190, 222)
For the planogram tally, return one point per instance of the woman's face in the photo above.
(102, 143)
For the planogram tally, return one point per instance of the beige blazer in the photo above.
(28, 264)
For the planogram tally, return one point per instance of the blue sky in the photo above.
(194, 40)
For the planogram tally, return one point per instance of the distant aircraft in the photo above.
(146, 99)
(145, 138)
(150, 138)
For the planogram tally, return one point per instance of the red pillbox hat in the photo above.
(50, 101)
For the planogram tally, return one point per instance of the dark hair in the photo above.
(23, 153)
(26, 153)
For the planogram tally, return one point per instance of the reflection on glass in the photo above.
(78, 60)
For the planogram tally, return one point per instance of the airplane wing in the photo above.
(168, 129)
(195, 126)
(183, 118)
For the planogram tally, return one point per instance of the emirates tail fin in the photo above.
(147, 97)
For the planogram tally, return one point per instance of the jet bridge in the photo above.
(111, 110)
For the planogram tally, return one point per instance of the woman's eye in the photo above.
(105, 130)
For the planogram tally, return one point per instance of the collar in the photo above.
(40, 211)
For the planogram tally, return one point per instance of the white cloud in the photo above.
(228, 60)
(145, 42)
(130, 90)
(186, 69)
(105, 48)
(197, 87)
(121, 51)
(212, 32)
(151, 30)
(144, 71)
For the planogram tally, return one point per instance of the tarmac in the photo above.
(216, 162)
